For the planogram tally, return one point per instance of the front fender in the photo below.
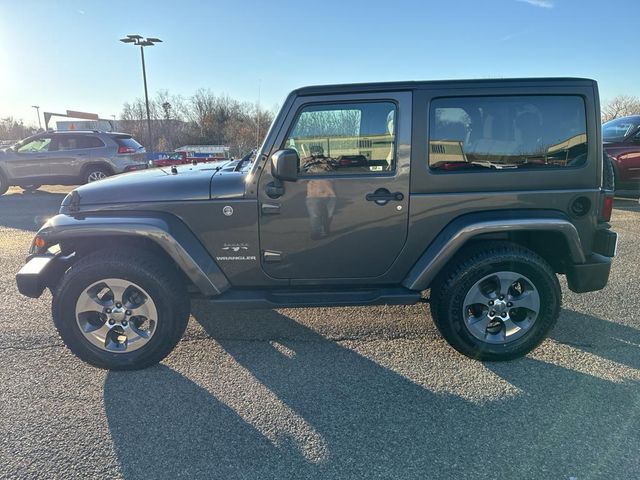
(166, 231)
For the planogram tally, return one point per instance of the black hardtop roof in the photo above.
(416, 85)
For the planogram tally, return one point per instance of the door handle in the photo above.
(382, 196)
(270, 208)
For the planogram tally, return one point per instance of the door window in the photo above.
(77, 142)
(348, 138)
(507, 132)
(40, 144)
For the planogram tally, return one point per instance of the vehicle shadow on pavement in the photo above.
(609, 340)
(372, 421)
(165, 426)
(28, 211)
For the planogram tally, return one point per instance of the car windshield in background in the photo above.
(37, 145)
(616, 130)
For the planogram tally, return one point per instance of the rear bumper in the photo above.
(605, 243)
(138, 166)
(593, 274)
(589, 276)
(39, 272)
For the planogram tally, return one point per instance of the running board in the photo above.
(250, 299)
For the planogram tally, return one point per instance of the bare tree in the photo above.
(202, 119)
(12, 129)
(620, 106)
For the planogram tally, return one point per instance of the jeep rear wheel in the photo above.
(496, 302)
(120, 310)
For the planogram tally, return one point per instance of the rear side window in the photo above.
(91, 142)
(507, 132)
(127, 141)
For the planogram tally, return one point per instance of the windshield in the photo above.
(616, 130)
(40, 144)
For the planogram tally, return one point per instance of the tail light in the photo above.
(607, 207)
(126, 150)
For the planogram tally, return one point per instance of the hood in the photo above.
(191, 182)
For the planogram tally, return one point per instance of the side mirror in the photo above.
(285, 164)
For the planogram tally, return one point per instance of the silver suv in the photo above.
(68, 158)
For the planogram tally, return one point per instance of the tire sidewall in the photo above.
(548, 288)
(155, 349)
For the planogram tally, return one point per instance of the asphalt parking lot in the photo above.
(339, 393)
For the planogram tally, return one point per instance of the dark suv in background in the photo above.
(621, 138)
(68, 158)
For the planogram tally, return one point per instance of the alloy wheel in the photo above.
(116, 315)
(95, 176)
(501, 307)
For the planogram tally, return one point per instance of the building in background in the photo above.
(101, 125)
(205, 150)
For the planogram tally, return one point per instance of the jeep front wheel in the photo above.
(121, 310)
(497, 302)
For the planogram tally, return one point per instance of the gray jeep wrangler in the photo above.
(480, 191)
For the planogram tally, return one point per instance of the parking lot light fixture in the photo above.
(142, 42)
(37, 107)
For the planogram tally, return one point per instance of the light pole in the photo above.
(37, 107)
(142, 42)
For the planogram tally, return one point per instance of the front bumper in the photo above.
(39, 272)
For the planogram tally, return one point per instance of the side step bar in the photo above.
(256, 299)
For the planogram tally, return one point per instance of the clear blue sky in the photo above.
(66, 54)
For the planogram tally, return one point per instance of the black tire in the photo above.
(30, 188)
(93, 173)
(163, 285)
(4, 184)
(450, 288)
(608, 173)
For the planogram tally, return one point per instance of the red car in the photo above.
(621, 139)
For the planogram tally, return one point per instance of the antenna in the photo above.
(258, 117)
